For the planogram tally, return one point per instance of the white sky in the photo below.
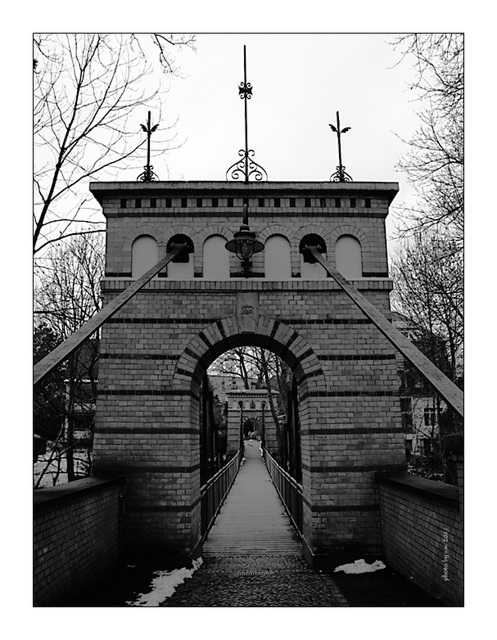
(299, 82)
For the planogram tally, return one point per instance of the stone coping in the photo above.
(99, 189)
(111, 284)
(440, 492)
(67, 492)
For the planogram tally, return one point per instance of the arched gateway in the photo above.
(156, 350)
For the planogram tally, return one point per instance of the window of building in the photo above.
(123, 203)
(181, 267)
(153, 203)
(145, 255)
(277, 258)
(348, 257)
(138, 203)
(309, 268)
(216, 261)
(430, 416)
(426, 445)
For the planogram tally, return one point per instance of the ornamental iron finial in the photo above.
(148, 174)
(246, 166)
(340, 174)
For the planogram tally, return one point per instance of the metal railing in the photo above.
(289, 490)
(213, 493)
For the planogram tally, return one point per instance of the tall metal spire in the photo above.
(148, 174)
(246, 166)
(340, 174)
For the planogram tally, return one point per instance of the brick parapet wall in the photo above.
(76, 537)
(422, 534)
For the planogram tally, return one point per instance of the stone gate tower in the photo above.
(155, 351)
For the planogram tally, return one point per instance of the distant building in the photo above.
(417, 400)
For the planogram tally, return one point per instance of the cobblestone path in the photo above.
(252, 557)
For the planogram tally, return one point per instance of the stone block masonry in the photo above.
(77, 537)
(155, 351)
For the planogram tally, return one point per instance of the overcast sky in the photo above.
(299, 83)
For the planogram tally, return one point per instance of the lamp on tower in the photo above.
(244, 243)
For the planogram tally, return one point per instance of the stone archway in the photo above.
(269, 333)
(251, 426)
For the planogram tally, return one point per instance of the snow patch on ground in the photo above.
(361, 566)
(164, 585)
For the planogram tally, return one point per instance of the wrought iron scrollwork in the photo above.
(340, 175)
(148, 174)
(245, 90)
(246, 167)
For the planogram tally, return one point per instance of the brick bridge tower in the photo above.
(155, 350)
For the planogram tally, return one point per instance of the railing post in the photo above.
(289, 490)
(213, 493)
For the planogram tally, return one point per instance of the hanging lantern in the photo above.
(244, 244)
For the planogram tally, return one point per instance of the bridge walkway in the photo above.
(253, 556)
(253, 519)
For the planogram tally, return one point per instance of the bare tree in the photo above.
(434, 162)
(67, 294)
(428, 276)
(88, 90)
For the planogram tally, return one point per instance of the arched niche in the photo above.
(216, 260)
(348, 257)
(277, 258)
(145, 255)
(181, 267)
(309, 268)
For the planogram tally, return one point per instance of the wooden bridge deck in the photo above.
(252, 520)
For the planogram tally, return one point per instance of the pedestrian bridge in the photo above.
(252, 519)
(163, 327)
(251, 552)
